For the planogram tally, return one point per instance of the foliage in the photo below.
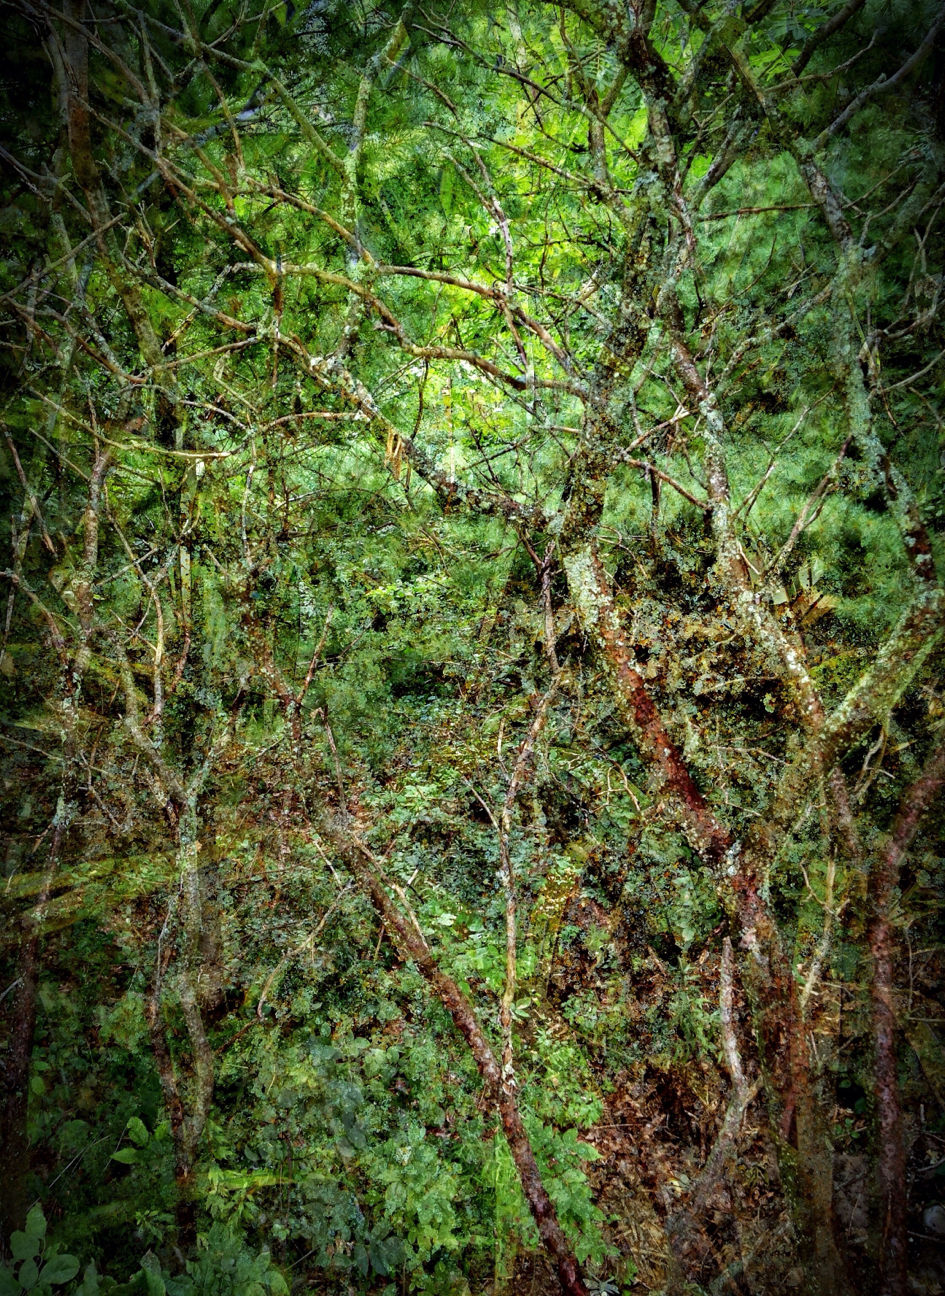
(472, 643)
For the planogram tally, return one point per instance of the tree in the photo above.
(484, 467)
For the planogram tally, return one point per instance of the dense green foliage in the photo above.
(487, 457)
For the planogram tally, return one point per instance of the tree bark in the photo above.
(410, 944)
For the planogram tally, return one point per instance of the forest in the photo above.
(472, 642)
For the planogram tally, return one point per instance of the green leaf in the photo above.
(151, 1268)
(8, 1284)
(90, 1284)
(28, 1275)
(384, 1254)
(360, 1258)
(36, 1222)
(127, 1156)
(60, 1269)
(23, 1246)
(137, 1131)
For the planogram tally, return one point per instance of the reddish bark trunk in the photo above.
(796, 1113)
(706, 835)
(411, 944)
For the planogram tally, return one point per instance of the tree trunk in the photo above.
(369, 874)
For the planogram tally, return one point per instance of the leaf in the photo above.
(23, 1246)
(90, 1284)
(360, 1258)
(810, 605)
(35, 1226)
(137, 1131)
(8, 1284)
(384, 1253)
(28, 1275)
(59, 1269)
(151, 1268)
(73, 1134)
(127, 1156)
